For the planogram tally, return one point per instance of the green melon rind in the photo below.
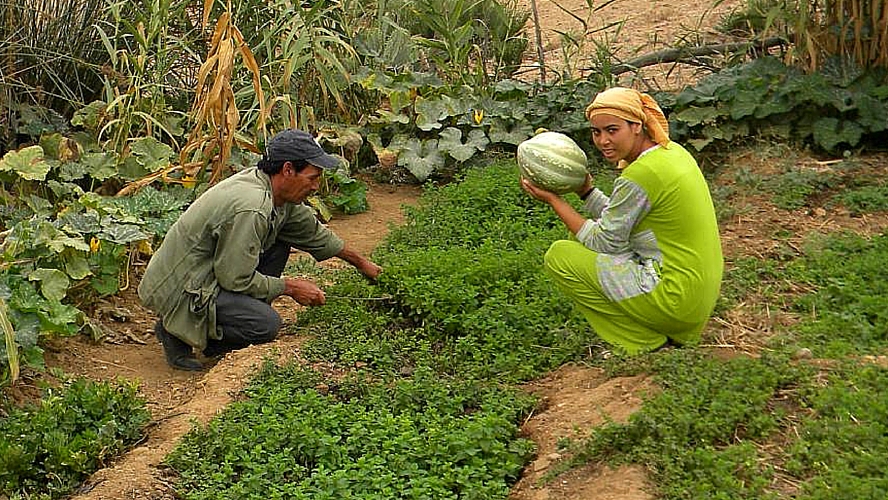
(552, 161)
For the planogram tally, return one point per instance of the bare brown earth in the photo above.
(575, 398)
(628, 27)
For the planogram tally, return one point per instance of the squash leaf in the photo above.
(510, 133)
(830, 132)
(102, 166)
(450, 142)
(76, 266)
(53, 283)
(27, 163)
(421, 158)
(695, 115)
(151, 154)
(121, 233)
(429, 113)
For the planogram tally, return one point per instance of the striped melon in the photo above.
(552, 161)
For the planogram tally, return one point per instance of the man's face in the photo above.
(298, 186)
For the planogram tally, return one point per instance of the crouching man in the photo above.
(219, 267)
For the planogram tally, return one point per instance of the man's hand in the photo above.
(305, 292)
(370, 269)
(364, 265)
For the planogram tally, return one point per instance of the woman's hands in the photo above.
(548, 196)
(586, 187)
(571, 218)
(538, 192)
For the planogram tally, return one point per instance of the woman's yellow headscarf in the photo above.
(634, 106)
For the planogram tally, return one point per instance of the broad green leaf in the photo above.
(57, 241)
(53, 283)
(25, 298)
(421, 158)
(81, 223)
(27, 327)
(101, 166)
(60, 318)
(51, 144)
(695, 115)
(386, 117)
(744, 104)
(830, 132)
(429, 113)
(72, 171)
(40, 206)
(151, 153)
(509, 86)
(132, 169)
(27, 163)
(509, 133)
(35, 121)
(64, 189)
(450, 141)
(455, 106)
(89, 116)
(105, 284)
(872, 113)
(76, 266)
(121, 233)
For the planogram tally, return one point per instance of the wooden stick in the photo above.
(684, 54)
(539, 40)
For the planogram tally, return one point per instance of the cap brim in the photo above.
(325, 161)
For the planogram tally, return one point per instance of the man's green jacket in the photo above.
(216, 245)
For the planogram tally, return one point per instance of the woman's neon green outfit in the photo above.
(648, 266)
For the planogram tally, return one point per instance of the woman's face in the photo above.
(616, 138)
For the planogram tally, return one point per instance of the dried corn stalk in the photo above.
(214, 112)
(855, 30)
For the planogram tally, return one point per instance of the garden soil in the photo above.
(575, 398)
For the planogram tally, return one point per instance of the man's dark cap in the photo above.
(298, 146)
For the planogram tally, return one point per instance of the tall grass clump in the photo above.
(50, 63)
(819, 30)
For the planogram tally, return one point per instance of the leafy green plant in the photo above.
(48, 449)
(849, 408)
(864, 199)
(844, 314)
(794, 188)
(357, 438)
(64, 246)
(699, 435)
(834, 108)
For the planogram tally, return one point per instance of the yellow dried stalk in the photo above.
(214, 111)
(12, 354)
(866, 21)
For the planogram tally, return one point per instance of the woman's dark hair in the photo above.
(272, 168)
